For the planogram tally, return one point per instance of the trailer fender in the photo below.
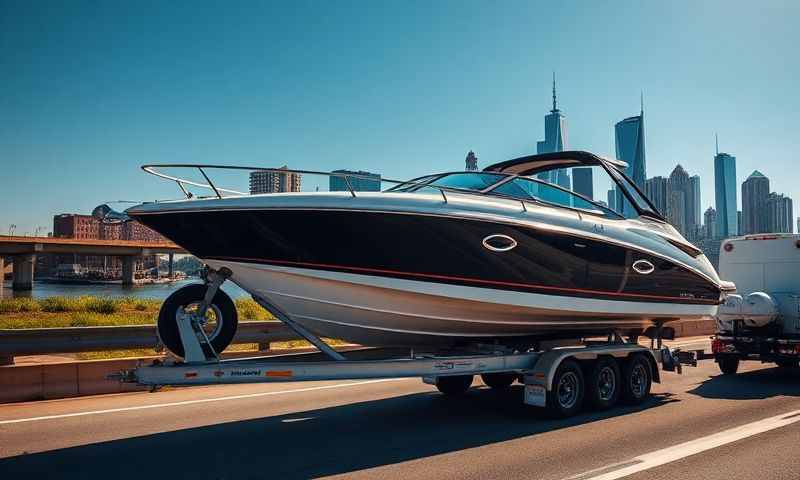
(545, 368)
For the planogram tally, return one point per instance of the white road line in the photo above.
(683, 450)
(202, 400)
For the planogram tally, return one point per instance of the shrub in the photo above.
(16, 305)
(105, 306)
(248, 309)
(60, 304)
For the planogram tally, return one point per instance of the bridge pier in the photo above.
(23, 271)
(128, 269)
(171, 266)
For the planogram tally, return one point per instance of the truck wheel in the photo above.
(603, 385)
(454, 385)
(220, 322)
(637, 378)
(500, 380)
(566, 395)
(728, 364)
(787, 362)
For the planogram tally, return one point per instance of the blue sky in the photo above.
(92, 90)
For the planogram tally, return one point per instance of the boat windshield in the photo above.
(525, 188)
(475, 181)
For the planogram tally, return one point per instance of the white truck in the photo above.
(762, 320)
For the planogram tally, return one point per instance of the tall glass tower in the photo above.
(725, 193)
(629, 142)
(555, 140)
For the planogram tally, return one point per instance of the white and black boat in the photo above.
(499, 255)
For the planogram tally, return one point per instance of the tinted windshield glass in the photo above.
(527, 189)
(642, 204)
(468, 180)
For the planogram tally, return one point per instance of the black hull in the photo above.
(431, 248)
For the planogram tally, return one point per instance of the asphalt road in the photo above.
(699, 424)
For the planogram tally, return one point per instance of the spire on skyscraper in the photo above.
(716, 140)
(641, 100)
(555, 105)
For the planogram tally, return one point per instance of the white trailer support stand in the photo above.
(536, 369)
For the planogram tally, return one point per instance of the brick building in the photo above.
(87, 227)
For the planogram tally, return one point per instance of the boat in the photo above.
(501, 255)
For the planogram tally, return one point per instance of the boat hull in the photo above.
(406, 269)
(384, 311)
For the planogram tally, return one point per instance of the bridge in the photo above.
(23, 251)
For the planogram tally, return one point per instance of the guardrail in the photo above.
(40, 341)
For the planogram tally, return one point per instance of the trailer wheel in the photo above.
(454, 385)
(566, 395)
(728, 364)
(499, 380)
(637, 378)
(220, 322)
(603, 385)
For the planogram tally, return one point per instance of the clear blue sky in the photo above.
(91, 90)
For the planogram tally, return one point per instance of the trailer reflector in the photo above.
(278, 373)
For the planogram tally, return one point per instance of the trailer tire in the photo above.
(604, 384)
(728, 364)
(565, 397)
(454, 385)
(637, 378)
(222, 306)
(499, 380)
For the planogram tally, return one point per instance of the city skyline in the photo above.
(251, 92)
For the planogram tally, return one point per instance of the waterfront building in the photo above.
(710, 221)
(725, 194)
(755, 192)
(779, 213)
(370, 184)
(656, 190)
(262, 181)
(582, 182)
(555, 140)
(471, 162)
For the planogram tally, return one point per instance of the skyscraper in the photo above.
(555, 140)
(779, 213)
(582, 182)
(678, 199)
(471, 162)
(359, 184)
(694, 217)
(711, 223)
(755, 191)
(656, 190)
(612, 199)
(629, 141)
(629, 144)
(725, 193)
(262, 181)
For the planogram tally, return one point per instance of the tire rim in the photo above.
(606, 383)
(567, 391)
(638, 380)
(211, 323)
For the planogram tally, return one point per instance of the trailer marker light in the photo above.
(278, 373)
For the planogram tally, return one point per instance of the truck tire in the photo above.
(637, 378)
(220, 334)
(454, 385)
(565, 397)
(728, 364)
(499, 380)
(604, 384)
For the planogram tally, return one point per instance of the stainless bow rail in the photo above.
(153, 169)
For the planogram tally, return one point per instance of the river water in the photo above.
(159, 291)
